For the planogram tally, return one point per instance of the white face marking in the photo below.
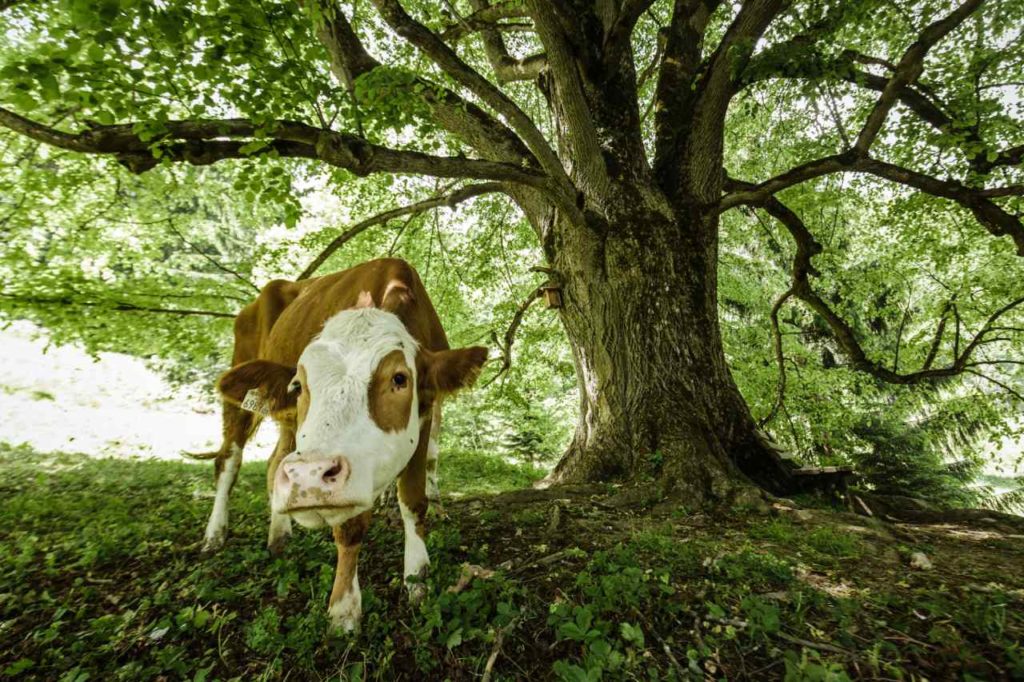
(217, 526)
(339, 366)
(346, 612)
(416, 557)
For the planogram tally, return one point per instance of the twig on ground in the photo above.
(499, 637)
(821, 646)
(664, 645)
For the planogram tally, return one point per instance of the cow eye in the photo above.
(400, 380)
(295, 387)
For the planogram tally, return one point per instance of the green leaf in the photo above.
(18, 667)
(50, 87)
(254, 146)
(454, 639)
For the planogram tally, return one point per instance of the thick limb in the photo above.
(345, 606)
(413, 503)
(238, 426)
(433, 491)
(280, 524)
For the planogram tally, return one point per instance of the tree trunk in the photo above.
(657, 400)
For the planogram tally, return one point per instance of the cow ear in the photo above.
(448, 371)
(270, 379)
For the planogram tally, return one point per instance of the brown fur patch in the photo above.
(390, 403)
(348, 537)
(448, 371)
(412, 482)
(270, 378)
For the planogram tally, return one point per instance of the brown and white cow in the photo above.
(353, 367)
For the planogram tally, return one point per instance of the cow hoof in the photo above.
(417, 591)
(277, 545)
(345, 622)
(438, 510)
(213, 544)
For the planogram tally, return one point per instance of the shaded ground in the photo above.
(100, 578)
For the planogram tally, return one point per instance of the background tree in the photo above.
(644, 144)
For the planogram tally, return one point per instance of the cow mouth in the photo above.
(319, 508)
(321, 515)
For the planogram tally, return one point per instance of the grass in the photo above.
(101, 579)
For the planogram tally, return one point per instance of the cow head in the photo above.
(356, 396)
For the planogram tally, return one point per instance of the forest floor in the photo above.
(101, 578)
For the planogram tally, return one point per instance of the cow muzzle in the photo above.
(315, 490)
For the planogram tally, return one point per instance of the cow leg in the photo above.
(345, 606)
(238, 426)
(433, 491)
(280, 524)
(413, 503)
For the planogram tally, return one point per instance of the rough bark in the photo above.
(657, 401)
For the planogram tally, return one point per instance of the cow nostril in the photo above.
(332, 473)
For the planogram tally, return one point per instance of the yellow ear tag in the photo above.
(253, 402)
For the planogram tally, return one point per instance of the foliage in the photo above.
(155, 264)
(932, 457)
(101, 576)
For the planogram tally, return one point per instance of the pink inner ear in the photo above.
(365, 300)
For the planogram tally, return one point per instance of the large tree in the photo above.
(607, 123)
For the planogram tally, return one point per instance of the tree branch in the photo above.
(780, 358)
(485, 17)
(992, 217)
(908, 70)
(506, 68)
(114, 305)
(198, 142)
(1013, 156)
(812, 65)
(562, 32)
(798, 57)
(510, 334)
(700, 147)
(349, 59)
(450, 200)
(212, 261)
(673, 96)
(1000, 384)
(617, 38)
(937, 339)
(842, 332)
(491, 138)
(433, 47)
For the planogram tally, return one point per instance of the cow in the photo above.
(353, 367)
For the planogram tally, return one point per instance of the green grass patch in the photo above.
(101, 578)
(466, 472)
